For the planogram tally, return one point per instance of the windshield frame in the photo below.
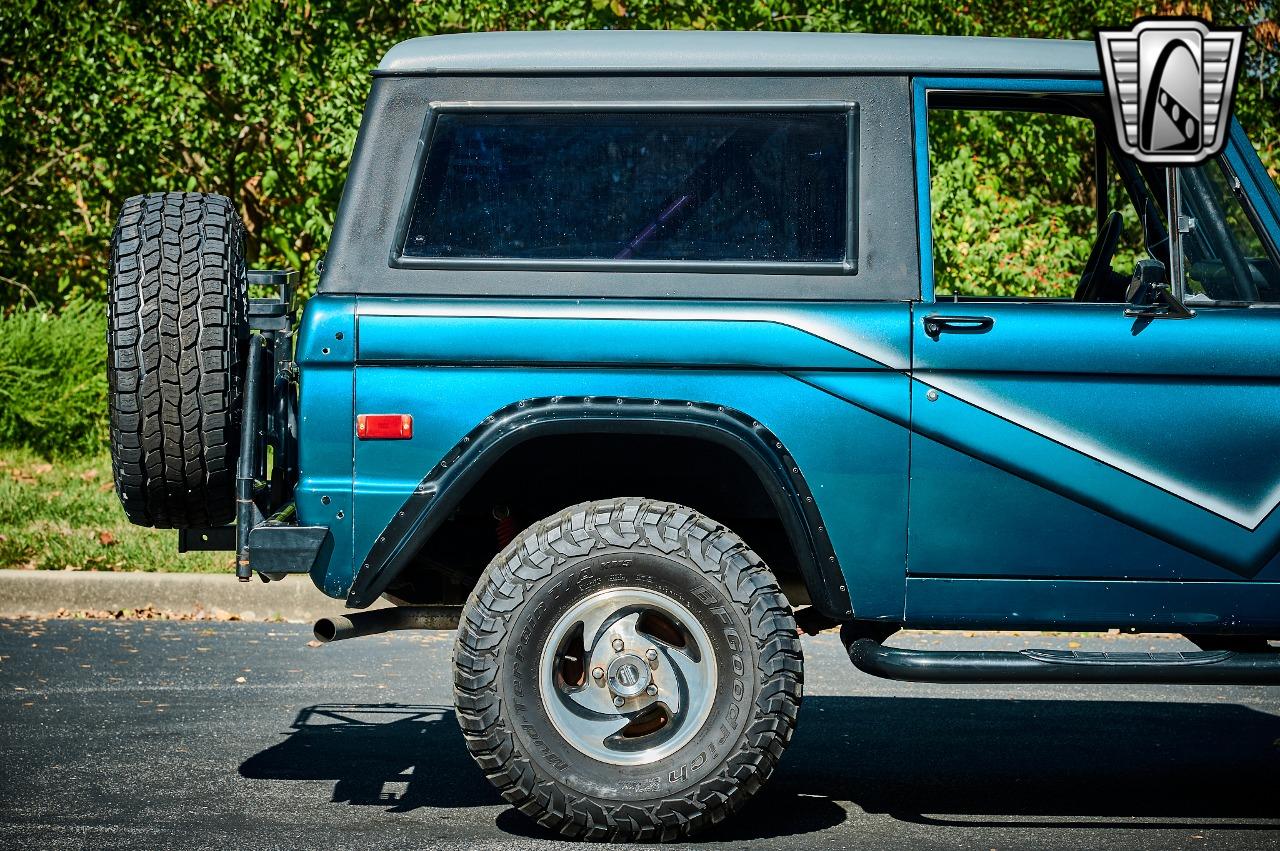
(1201, 234)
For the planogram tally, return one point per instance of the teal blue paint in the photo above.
(1257, 184)
(326, 431)
(1212, 607)
(860, 489)
(421, 357)
(670, 337)
(924, 208)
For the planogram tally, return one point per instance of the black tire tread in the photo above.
(626, 523)
(176, 327)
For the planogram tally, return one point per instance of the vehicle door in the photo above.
(1076, 458)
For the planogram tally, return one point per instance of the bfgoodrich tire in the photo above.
(627, 670)
(176, 335)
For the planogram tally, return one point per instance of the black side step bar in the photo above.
(1064, 666)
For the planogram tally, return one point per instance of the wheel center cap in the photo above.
(628, 675)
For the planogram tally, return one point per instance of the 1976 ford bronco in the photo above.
(628, 343)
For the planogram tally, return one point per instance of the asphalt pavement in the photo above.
(159, 734)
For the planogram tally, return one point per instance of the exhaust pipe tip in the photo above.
(375, 621)
(330, 629)
(324, 630)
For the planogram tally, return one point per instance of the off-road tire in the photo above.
(176, 336)
(576, 553)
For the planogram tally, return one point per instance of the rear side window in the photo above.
(744, 187)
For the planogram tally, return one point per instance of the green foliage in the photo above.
(261, 99)
(53, 380)
(1013, 199)
(991, 240)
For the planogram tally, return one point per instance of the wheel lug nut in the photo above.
(598, 673)
(617, 645)
(651, 690)
(651, 655)
(617, 701)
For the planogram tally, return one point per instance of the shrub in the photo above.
(53, 380)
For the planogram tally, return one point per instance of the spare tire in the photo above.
(176, 339)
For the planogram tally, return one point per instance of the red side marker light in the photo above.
(384, 426)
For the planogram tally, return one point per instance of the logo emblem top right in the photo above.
(1171, 82)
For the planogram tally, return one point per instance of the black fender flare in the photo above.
(444, 486)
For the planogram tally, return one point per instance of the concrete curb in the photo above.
(42, 592)
(37, 593)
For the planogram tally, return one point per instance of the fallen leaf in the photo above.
(106, 538)
(314, 643)
(241, 680)
(41, 469)
(89, 475)
(1073, 645)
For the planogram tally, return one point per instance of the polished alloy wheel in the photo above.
(627, 676)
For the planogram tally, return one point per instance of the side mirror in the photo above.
(1147, 276)
(1157, 292)
(1151, 296)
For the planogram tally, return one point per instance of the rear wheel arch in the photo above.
(493, 442)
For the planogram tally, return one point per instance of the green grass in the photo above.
(64, 515)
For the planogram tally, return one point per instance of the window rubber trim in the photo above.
(920, 89)
(849, 266)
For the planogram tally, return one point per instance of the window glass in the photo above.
(1014, 200)
(719, 186)
(1224, 248)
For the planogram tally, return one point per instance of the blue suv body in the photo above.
(1067, 466)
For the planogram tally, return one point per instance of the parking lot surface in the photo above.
(166, 734)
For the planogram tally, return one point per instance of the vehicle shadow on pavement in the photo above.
(984, 762)
(942, 761)
(389, 755)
